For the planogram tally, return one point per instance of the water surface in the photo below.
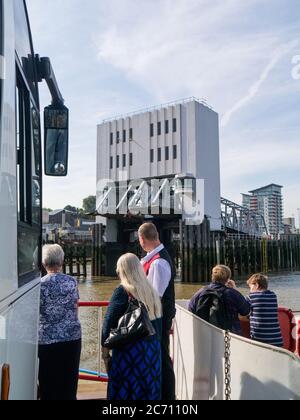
(287, 287)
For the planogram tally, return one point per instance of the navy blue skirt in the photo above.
(135, 374)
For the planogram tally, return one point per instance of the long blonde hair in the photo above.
(135, 282)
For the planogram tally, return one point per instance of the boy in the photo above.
(264, 322)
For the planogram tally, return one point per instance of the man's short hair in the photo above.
(221, 274)
(260, 280)
(149, 232)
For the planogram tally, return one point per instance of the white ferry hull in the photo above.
(258, 372)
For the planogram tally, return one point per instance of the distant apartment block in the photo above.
(290, 226)
(268, 202)
(164, 142)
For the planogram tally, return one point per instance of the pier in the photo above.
(78, 257)
(197, 249)
(155, 160)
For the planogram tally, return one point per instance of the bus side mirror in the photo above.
(56, 141)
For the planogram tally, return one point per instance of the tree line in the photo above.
(88, 207)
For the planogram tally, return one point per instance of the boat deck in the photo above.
(88, 391)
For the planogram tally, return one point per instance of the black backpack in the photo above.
(212, 307)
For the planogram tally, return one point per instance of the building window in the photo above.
(175, 152)
(124, 161)
(151, 130)
(167, 153)
(174, 125)
(167, 127)
(111, 162)
(118, 137)
(118, 162)
(131, 159)
(159, 154)
(159, 128)
(152, 155)
(130, 134)
(111, 139)
(124, 136)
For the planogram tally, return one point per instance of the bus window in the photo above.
(28, 183)
(23, 44)
(22, 40)
(22, 125)
(1, 45)
(36, 167)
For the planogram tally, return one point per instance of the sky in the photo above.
(116, 56)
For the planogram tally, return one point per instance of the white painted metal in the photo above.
(258, 372)
(8, 197)
(19, 308)
(20, 341)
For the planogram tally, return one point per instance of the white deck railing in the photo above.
(258, 371)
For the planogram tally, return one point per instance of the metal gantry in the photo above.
(142, 197)
(241, 220)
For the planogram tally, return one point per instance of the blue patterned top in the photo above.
(59, 310)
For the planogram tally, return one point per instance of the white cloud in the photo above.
(184, 48)
(113, 56)
(254, 89)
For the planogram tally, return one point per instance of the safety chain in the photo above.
(227, 366)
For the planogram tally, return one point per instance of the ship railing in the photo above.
(215, 365)
(98, 375)
(89, 375)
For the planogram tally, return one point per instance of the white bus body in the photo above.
(20, 200)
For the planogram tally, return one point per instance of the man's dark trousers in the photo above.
(168, 376)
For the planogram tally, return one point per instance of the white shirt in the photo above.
(160, 272)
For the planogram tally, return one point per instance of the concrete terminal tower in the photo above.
(176, 139)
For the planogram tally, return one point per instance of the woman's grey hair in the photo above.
(53, 256)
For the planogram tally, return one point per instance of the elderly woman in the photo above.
(135, 370)
(60, 330)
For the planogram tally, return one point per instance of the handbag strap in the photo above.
(132, 299)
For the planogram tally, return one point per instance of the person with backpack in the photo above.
(220, 304)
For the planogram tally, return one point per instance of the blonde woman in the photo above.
(134, 371)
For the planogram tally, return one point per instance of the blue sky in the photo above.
(116, 56)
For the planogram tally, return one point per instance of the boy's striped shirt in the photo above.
(264, 320)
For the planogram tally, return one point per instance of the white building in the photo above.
(178, 138)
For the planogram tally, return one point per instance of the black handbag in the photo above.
(133, 326)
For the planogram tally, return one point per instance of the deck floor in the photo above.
(88, 391)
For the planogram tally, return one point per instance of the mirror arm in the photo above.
(45, 72)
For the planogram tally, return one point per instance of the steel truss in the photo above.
(241, 220)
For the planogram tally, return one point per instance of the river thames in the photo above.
(287, 287)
